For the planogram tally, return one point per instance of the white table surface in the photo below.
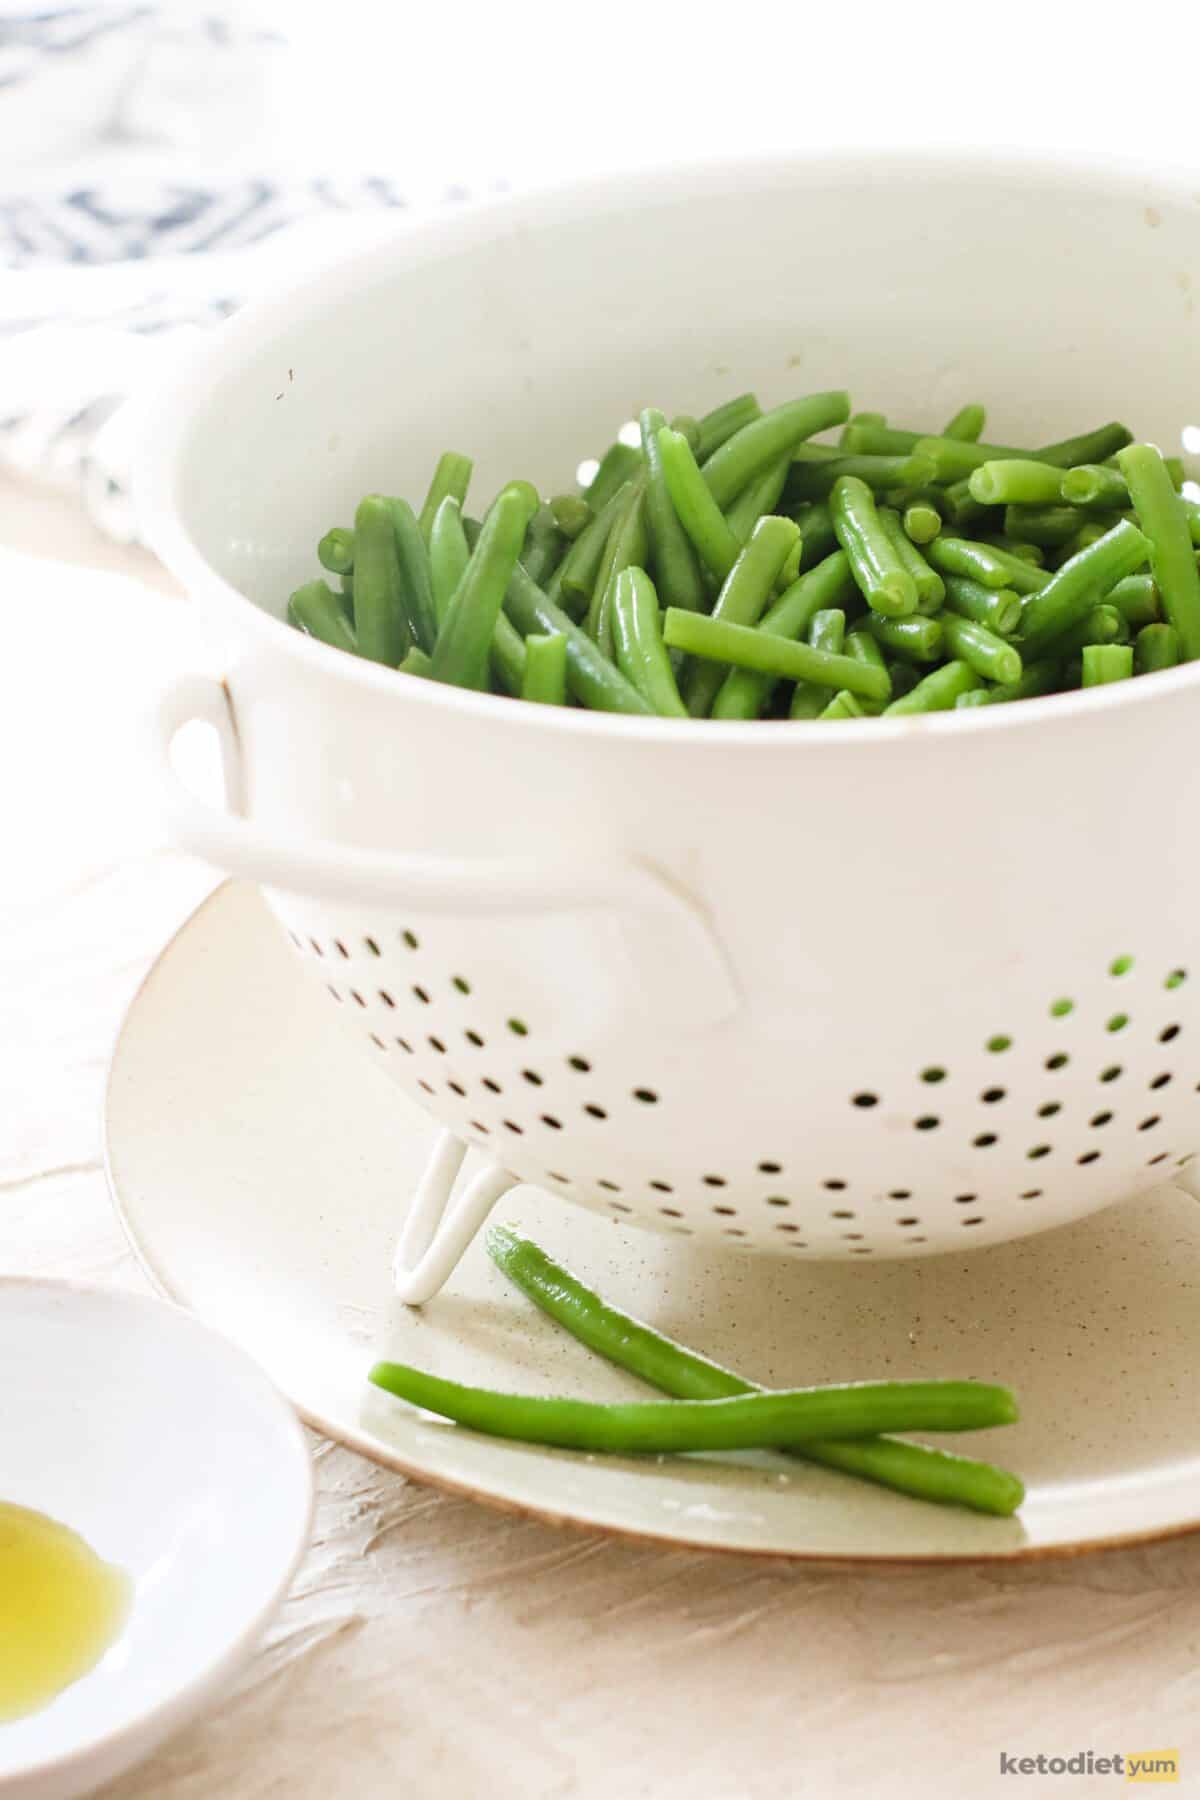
(431, 1647)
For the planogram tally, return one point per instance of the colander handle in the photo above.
(682, 969)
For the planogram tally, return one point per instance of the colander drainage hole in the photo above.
(1118, 1022)
(357, 997)
(1049, 1109)
(341, 948)
(1176, 978)
(647, 1096)
(865, 1099)
(900, 1194)
(474, 1038)
(909, 1222)
(596, 1112)
(933, 1074)
(1160, 1081)
(420, 994)
(834, 1184)
(376, 1039)
(316, 946)
(841, 1214)
(493, 1087)
(613, 1187)
(336, 992)
(985, 1140)
(1100, 1118)
(580, 1063)
(1089, 1156)
(435, 1043)
(990, 1096)
(1169, 1032)
(962, 1199)
(927, 1122)
(715, 1181)
(976, 1220)
(464, 987)
(786, 1225)
(662, 1187)
(425, 1086)
(1060, 1008)
(456, 1087)
(511, 1125)
(410, 939)
(404, 1044)
(1112, 1073)
(518, 1027)
(1161, 1157)
(726, 1212)
(998, 1044)
(532, 1076)
(778, 1200)
(1032, 1194)
(551, 1121)
(1059, 1060)
(670, 1212)
(770, 1168)
(1120, 965)
(372, 947)
(1150, 1123)
(1038, 1150)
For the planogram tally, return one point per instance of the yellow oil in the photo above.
(61, 1607)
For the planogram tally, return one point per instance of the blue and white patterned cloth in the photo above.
(141, 195)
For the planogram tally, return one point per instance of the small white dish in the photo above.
(171, 1454)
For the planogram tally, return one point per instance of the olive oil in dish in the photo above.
(61, 1606)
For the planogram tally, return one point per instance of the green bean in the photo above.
(1030, 553)
(1048, 526)
(1039, 678)
(885, 583)
(1089, 447)
(914, 1469)
(1074, 589)
(859, 418)
(741, 601)
(744, 694)
(746, 648)
(619, 464)
(967, 424)
(317, 610)
(827, 632)
(698, 512)
(580, 566)
(416, 588)
(1191, 512)
(997, 608)
(869, 434)
(1162, 518)
(770, 1419)
(760, 497)
(1101, 625)
(813, 475)
(931, 589)
(1156, 647)
(592, 679)
(981, 649)
(1094, 484)
(641, 656)
(544, 545)
(571, 513)
(818, 539)
(676, 571)
(626, 546)
(452, 476)
(981, 563)
(903, 676)
(688, 427)
(1103, 663)
(464, 642)
(729, 469)
(346, 596)
(1136, 599)
(912, 640)
(508, 656)
(417, 663)
(335, 551)
(938, 691)
(955, 458)
(793, 562)
(959, 508)
(843, 706)
(1015, 481)
(448, 554)
(379, 616)
(545, 678)
(922, 521)
(719, 425)
(1089, 533)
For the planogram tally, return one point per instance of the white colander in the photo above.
(861, 990)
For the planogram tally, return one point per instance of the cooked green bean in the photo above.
(417, 663)
(346, 596)
(997, 608)
(1074, 589)
(915, 1469)
(744, 694)
(931, 589)
(1101, 625)
(743, 456)
(592, 679)
(452, 476)
(955, 458)
(317, 610)
(619, 464)
(1088, 447)
(885, 583)
(688, 427)
(449, 554)
(1089, 532)
(982, 650)
(416, 587)
(869, 434)
(1103, 663)
(979, 562)
(912, 640)
(580, 566)
(1024, 552)
(464, 641)
(938, 691)
(1048, 526)
(742, 601)
(545, 678)
(1162, 518)
(904, 676)
(508, 655)
(1136, 599)
(1039, 678)
(571, 513)
(843, 706)
(1015, 481)
(967, 424)
(698, 513)
(922, 521)
(1094, 484)
(959, 508)
(676, 571)
(827, 632)
(746, 648)
(759, 497)
(335, 551)
(626, 547)
(1156, 647)
(379, 615)
(719, 425)
(641, 656)
(769, 1419)
(793, 562)
(813, 475)
(545, 545)
(818, 539)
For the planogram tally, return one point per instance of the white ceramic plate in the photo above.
(261, 1165)
(173, 1457)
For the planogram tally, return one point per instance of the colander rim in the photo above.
(168, 418)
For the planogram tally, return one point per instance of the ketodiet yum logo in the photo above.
(1126, 1765)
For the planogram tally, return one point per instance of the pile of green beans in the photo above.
(735, 566)
(711, 1408)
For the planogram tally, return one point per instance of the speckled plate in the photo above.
(261, 1163)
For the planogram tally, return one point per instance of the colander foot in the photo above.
(437, 1231)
